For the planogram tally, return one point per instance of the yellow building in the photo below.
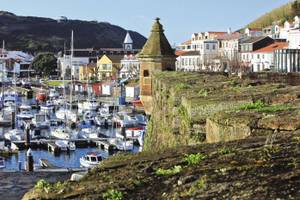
(109, 66)
(88, 71)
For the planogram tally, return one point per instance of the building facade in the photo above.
(130, 67)
(287, 60)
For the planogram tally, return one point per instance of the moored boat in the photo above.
(65, 145)
(91, 160)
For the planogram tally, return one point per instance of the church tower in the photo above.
(156, 55)
(128, 43)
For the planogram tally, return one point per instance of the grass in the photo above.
(200, 184)
(194, 159)
(112, 195)
(182, 86)
(260, 106)
(165, 172)
(56, 83)
(226, 150)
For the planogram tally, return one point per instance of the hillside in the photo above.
(247, 169)
(210, 136)
(278, 15)
(44, 34)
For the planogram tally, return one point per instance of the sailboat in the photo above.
(64, 113)
(4, 119)
(90, 104)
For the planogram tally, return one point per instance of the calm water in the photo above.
(63, 160)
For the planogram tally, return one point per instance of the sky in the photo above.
(180, 18)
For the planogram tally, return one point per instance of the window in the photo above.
(207, 46)
(258, 56)
(214, 47)
(146, 73)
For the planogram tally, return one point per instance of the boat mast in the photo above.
(2, 79)
(71, 60)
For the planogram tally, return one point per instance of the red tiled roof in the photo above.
(272, 47)
(179, 52)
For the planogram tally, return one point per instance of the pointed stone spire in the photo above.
(157, 45)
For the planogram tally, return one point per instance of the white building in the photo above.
(15, 62)
(294, 38)
(229, 45)
(188, 61)
(67, 69)
(130, 67)
(263, 59)
(199, 53)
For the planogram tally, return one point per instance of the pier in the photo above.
(50, 145)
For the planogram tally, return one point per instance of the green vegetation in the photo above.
(112, 195)
(165, 172)
(279, 15)
(260, 106)
(56, 83)
(200, 184)
(45, 64)
(182, 86)
(253, 106)
(194, 159)
(226, 150)
(42, 184)
(47, 187)
(203, 93)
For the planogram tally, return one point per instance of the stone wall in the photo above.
(192, 108)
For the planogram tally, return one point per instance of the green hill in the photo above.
(279, 15)
(35, 34)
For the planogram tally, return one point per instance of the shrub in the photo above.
(42, 184)
(194, 159)
(175, 170)
(112, 195)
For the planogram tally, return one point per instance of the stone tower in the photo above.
(156, 55)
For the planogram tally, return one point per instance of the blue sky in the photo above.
(180, 18)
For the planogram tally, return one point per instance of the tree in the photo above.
(296, 8)
(44, 64)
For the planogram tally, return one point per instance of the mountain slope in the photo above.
(44, 34)
(279, 15)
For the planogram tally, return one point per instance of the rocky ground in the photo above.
(13, 185)
(264, 167)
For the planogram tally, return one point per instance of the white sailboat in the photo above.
(64, 113)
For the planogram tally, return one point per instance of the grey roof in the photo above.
(254, 39)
